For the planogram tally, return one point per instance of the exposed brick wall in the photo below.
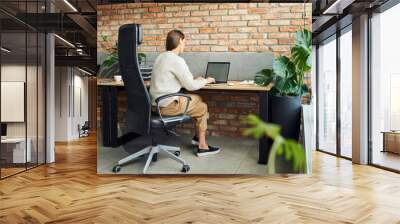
(210, 27)
(240, 27)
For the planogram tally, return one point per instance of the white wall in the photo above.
(71, 93)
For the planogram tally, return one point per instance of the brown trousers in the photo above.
(197, 110)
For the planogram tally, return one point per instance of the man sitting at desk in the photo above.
(170, 74)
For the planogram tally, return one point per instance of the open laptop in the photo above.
(219, 71)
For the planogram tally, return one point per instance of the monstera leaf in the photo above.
(264, 77)
(284, 67)
(288, 72)
(301, 52)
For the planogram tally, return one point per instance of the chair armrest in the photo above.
(168, 96)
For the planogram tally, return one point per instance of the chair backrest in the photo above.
(138, 99)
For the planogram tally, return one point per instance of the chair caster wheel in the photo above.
(177, 153)
(154, 159)
(185, 168)
(116, 169)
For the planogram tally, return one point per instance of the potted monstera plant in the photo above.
(110, 66)
(287, 79)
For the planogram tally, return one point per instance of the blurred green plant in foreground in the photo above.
(291, 149)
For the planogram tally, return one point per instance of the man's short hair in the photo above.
(173, 38)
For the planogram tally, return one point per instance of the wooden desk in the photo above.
(231, 85)
(109, 110)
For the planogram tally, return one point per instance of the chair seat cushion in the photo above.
(169, 120)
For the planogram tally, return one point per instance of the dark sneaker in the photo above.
(195, 140)
(205, 152)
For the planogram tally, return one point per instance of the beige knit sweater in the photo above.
(170, 74)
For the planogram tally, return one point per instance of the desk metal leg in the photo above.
(109, 116)
(264, 143)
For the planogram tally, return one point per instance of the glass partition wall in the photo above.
(327, 96)
(22, 77)
(334, 85)
(385, 89)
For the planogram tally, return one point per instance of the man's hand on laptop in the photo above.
(210, 80)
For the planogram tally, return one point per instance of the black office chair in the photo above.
(140, 118)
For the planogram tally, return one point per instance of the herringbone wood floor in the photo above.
(70, 191)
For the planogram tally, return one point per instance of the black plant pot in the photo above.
(285, 111)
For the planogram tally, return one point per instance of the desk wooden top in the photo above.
(231, 85)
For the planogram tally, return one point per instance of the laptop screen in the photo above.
(218, 70)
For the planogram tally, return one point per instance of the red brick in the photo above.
(149, 15)
(237, 12)
(238, 35)
(258, 35)
(200, 13)
(228, 6)
(213, 6)
(259, 48)
(219, 36)
(278, 35)
(286, 41)
(268, 41)
(119, 6)
(279, 22)
(288, 28)
(181, 14)
(190, 30)
(218, 12)
(212, 18)
(237, 23)
(208, 42)
(165, 26)
(200, 48)
(247, 42)
(199, 24)
(173, 8)
(192, 42)
(199, 36)
(291, 15)
(238, 48)
(190, 7)
(230, 18)
(164, 15)
(194, 19)
(268, 29)
(243, 5)
(156, 9)
(258, 23)
(281, 48)
(279, 9)
(227, 42)
(219, 48)
(271, 16)
(176, 20)
(140, 10)
(299, 8)
(251, 17)
(258, 11)
(297, 22)
(247, 29)
(208, 30)
(227, 29)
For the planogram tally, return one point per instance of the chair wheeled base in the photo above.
(170, 151)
